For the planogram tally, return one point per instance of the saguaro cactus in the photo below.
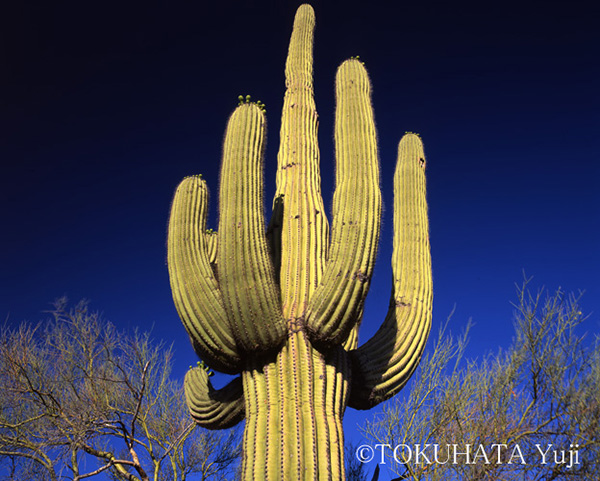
(281, 305)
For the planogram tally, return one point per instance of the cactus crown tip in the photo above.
(201, 365)
(306, 6)
(243, 99)
(246, 99)
(194, 176)
(357, 58)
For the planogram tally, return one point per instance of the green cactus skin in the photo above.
(194, 284)
(304, 228)
(216, 409)
(246, 277)
(282, 307)
(382, 365)
(335, 307)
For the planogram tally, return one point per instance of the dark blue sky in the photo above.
(105, 107)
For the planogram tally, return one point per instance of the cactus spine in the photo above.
(282, 307)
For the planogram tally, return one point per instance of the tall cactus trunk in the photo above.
(294, 410)
(282, 306)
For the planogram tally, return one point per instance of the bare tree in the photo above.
(355, 470)
(78, 398)
(529, 412)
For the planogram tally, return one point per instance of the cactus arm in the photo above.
(304, 227)
(195, 290)
(337, 304)
(246, 277)
(212, 244)
(385, 363)
(211, 408)
(351, 342)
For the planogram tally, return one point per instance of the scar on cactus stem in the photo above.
(280, 305)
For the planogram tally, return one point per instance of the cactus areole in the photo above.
(280, 305)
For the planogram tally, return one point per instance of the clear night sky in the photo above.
(105, 107)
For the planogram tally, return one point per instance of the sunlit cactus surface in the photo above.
(279, 305)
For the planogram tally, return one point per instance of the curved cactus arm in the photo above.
(195, 290)
(212, 244)
(304, 227)
(246, 277)
(337, 303)
(211, 408)
(383, 364)
(351, 342)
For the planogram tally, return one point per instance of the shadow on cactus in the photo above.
(280, 305)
